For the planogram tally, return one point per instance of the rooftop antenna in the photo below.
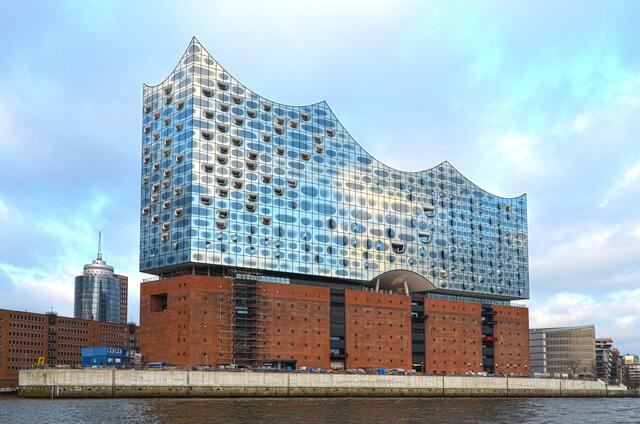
(99, 245)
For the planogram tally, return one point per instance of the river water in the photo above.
(321, 410)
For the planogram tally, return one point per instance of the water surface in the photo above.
(321, 410)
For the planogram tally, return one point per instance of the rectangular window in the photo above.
(158, 302)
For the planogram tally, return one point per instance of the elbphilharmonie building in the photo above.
(246, 198)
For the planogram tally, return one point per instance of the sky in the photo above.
(536, 97)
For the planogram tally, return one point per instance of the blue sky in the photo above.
(539, 97)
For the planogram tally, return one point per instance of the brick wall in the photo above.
(25, 337)
(300, 324)
(377, 330)
(453, 336)
(195, 329)
(511, 345)
(186, 331)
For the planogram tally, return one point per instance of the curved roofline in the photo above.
(145, 85)
(411, 278)
(194, 40)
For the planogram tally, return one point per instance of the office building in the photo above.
(617, 366)
(566, 351)
(123, 281)
(632, 372)
(604, 360)
(277, 240)
(28, 339)
(101, 295)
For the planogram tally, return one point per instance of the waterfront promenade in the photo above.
(64, 383)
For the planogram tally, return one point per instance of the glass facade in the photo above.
(100, 295)
(233, 179)
(97, 298)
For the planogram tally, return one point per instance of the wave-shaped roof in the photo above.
(196, 46)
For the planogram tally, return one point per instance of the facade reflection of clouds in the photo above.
(325, 208)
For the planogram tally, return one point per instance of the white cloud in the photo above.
(4, 119)
(630, 179)
(563, 309)
(626, 322)
(4, 210)
(61, 246)
(580, 123)
(579, 239)
(518, 149)
(45, 288)
(615, 314)
(587, 256)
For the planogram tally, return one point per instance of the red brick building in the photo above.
(124, 296)
(453, 336)
(189, 320)
(511, 340)
(378, 330)
(26, 337)
(198, 320)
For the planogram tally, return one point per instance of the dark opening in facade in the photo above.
(158, 302)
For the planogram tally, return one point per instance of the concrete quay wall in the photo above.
(61, 383)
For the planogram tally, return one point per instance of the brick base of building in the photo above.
(195, 320)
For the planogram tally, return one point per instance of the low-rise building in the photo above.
(107, 357)
(566, 351)
(29, 339)
(631, 375)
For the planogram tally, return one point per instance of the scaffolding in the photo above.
(244, 324)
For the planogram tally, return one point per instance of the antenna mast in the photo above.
(99, 245)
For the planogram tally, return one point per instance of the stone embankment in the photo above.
(63, 383)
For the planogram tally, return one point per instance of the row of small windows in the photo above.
(444, 339)
(18, 367)
(368, 360)
(473, 352)
(123, 327)
(25, 317)
(390, 348)
(368, 323)
(294, 345)
(24, 352)
(64, 330)
(26, 326)
(77, 323)
(469, 364)
(74, 339)
(67, 353)
(25, 343)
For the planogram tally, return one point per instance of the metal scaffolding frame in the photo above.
(244, 324)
